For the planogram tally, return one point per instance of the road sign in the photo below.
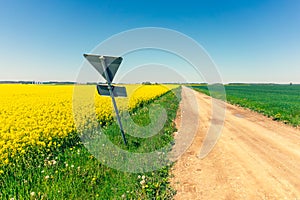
(111, 65)
(108, 66)
(117, 91)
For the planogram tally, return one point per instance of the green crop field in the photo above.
(281, 102)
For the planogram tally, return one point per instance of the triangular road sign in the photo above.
(107, 66)
(112, 65)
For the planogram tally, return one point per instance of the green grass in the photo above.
(71, 172)
(281, 102)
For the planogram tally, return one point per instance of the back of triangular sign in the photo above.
(112, 65)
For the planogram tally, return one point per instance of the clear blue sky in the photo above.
(250, 41)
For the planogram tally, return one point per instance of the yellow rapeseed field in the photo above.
(40, 117)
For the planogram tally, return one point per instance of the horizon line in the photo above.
(33, 82)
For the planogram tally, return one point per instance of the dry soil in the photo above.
(254, 158)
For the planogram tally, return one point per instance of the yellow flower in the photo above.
(46, 118)
(6, 161)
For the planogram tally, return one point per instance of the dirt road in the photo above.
(255, 158)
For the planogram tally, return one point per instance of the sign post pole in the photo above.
(102, 60)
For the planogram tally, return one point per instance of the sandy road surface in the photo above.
(255, 158)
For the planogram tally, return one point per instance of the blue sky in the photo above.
(250, 41)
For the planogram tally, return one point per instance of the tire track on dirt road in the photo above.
(255, 158)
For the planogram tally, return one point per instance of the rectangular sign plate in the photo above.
(117, 91)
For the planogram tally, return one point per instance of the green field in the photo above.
(71, 172)
(281, 102)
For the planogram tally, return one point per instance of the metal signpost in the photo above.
(107, 66)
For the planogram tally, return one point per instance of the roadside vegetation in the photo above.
(280, 102)
(69, 171)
